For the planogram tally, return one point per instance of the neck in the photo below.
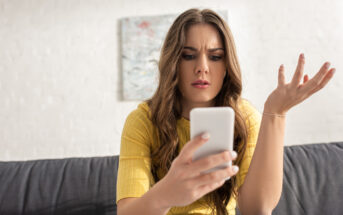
(187, 106)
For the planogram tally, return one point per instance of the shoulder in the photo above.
(138, 129)
(142, 112)
(139, 119)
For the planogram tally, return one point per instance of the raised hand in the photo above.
(185, 181)
(285, 96)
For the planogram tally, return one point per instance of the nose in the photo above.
(201, 65)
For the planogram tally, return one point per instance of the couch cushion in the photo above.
(59, 186)
(313, 180)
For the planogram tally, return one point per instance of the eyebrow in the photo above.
(210, 50)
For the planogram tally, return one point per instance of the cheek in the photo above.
(185, 72)
(183, 80)
(185, 67)
(218, 80)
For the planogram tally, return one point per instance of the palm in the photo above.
(285, 96)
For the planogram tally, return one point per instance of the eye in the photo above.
(215, 57)
(188, 56)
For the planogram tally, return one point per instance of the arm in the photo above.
(134, 173)
(147, 204)
(262, 188)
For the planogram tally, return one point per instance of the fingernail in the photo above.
(333, 71)
(302, 55)
(235, 168)
(233, 154)
(327, 65)
(205, 136)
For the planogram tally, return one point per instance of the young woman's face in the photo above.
(202, 66)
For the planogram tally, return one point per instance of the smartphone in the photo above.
(219, 123)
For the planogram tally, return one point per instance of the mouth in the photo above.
(200, 84)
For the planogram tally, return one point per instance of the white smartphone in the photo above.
(219, 123)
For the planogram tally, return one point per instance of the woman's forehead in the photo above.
(203, 36)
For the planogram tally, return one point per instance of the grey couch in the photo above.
(313, 184)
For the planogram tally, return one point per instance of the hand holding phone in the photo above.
(219, 123)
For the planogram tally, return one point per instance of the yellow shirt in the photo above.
(139, 137)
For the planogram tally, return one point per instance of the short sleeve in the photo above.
(253, 122)
(134, 171)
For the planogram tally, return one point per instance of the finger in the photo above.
(304, 81)
(316, 80)
(281, 78)
(203, 190)
(210, 162)
(323, 70)
(325, 80)
(216, 176)
(188, 150)
(299, 71)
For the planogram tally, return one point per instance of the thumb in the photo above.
(188, 150)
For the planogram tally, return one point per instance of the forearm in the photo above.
(262, 188)
(147, 204)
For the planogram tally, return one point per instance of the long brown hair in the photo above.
(165, 105)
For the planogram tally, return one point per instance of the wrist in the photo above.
(272, 110)
(274, 114)
(154, 198)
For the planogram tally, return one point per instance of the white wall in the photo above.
(60, 70)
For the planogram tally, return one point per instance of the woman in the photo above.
(199, 68)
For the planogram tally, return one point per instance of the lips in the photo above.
(200, 84)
